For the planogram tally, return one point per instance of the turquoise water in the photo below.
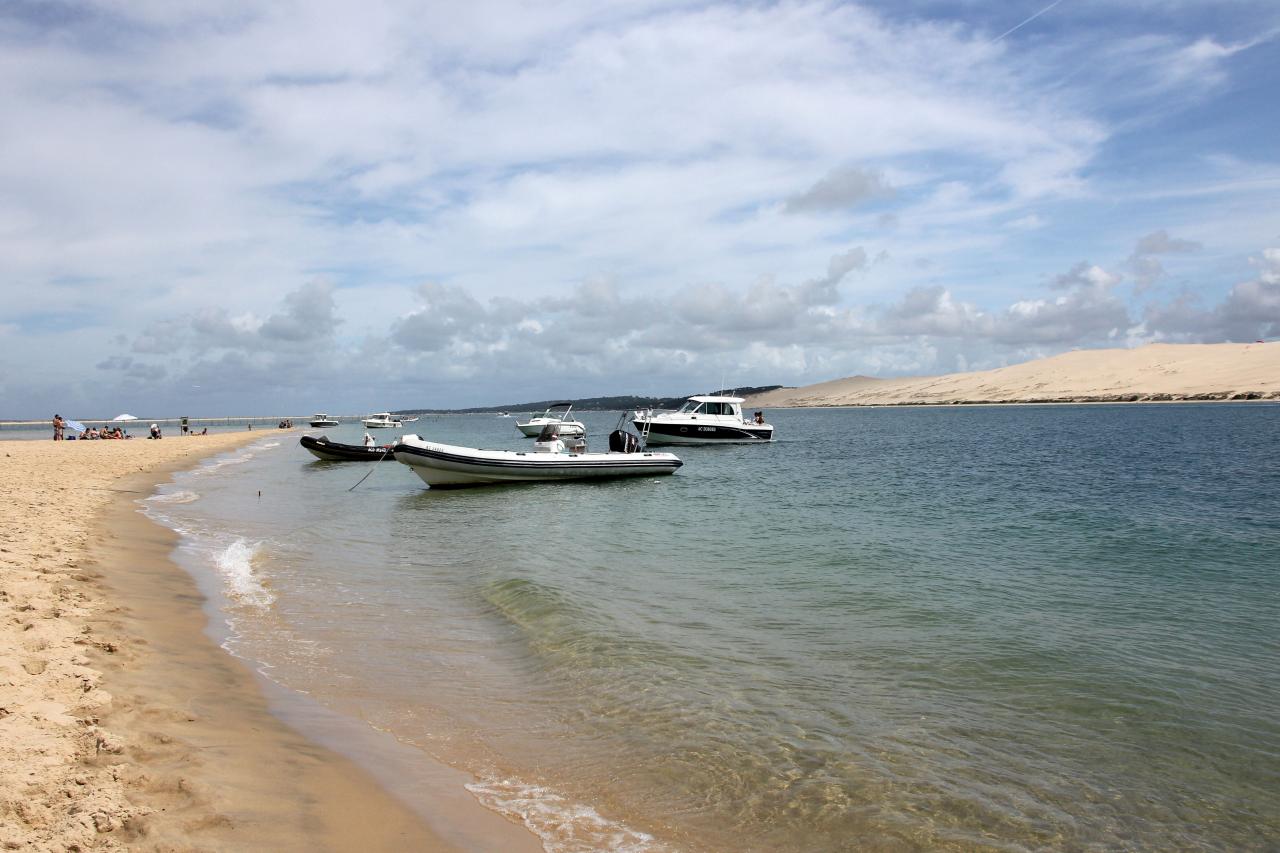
(1004, 628)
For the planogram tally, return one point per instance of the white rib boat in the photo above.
(450, 466)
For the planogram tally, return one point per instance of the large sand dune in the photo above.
(1150, 373)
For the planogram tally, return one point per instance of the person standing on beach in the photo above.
(58, 426)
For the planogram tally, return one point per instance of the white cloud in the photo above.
(1144, 263)
(615, 178)
(840, 189)
(1250, 311)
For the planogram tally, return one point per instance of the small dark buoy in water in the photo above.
(259, 492)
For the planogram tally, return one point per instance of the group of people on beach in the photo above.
(104, 433)
(111, 433)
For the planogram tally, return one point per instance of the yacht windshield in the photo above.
(689, 407)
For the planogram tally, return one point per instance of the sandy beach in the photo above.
(122, 726)
(1151, 373)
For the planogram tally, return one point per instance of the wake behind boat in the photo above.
(450, 466)
(332, 451)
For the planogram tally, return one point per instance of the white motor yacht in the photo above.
(382, 420)
(532, 428)
(702, 420)
(320, 419)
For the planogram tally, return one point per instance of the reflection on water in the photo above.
(1009, 628)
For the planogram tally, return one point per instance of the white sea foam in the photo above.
(244, 456)
(235, 564)
(180, 497)
(216, 464)
(563, 826)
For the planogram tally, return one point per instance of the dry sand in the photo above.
(122, 726)
(1156, 372)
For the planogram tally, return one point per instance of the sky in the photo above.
(280, 208)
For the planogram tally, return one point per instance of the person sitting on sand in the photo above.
(155, 431)
(204, 431)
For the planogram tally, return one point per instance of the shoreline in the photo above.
(125, 725)
(972, 404)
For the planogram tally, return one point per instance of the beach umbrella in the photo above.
(124, 418)
(75, 425)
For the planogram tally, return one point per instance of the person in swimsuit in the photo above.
(58, 426)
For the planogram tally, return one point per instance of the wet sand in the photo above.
(123, 726)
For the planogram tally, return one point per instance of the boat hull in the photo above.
(448, 466)
(331, 451)
(659, 432)
(328, 423)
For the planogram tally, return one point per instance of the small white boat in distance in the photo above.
(450, 466)
(533, 427)
(382, 420)
(320, 419)
(702, 420)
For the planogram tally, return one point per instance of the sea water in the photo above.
(1004, 628)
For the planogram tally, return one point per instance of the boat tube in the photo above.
(450, 466)
(331, 451)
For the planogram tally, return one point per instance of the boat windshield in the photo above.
(689, 407)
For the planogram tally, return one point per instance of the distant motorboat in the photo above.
(532, 428)
(450, 466)
(702, 420)
(382, 420)
(332, 451)
(320, 419)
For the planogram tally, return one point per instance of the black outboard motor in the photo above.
(621, 441)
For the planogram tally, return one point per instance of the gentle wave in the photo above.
(179, 497)
(235, 564)
(562, 826)
(218, 464)
(238, 459)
